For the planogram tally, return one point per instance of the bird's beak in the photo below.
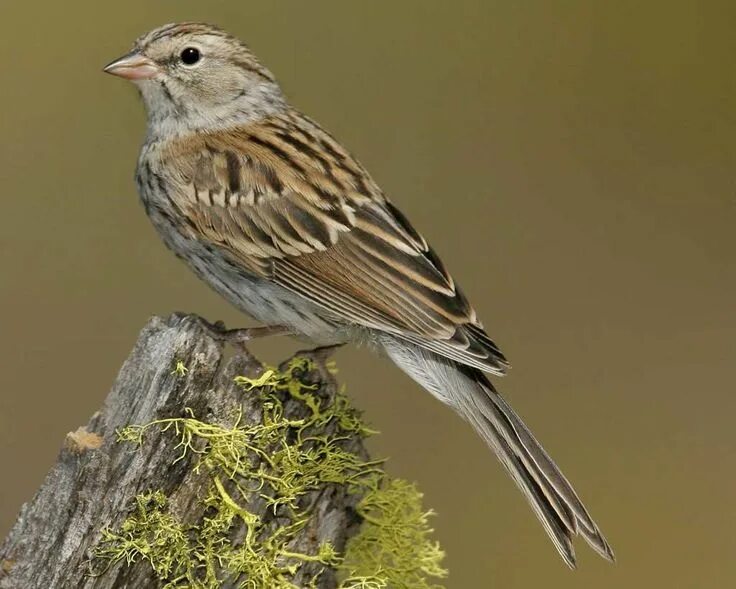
(133, 66)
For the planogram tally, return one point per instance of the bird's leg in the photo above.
(239, 337)
(321, 353)
(246, 334)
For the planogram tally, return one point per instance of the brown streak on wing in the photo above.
(289, 204)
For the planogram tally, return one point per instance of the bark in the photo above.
(95, 478)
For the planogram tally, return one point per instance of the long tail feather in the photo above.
(552, 496)
(549, 493)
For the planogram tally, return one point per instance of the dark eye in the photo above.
(190, 56)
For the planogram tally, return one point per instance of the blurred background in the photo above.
(574, 166)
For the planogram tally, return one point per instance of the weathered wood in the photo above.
(95, 478)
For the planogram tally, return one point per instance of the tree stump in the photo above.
(93, 484)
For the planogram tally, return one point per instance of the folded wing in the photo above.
(289, 204)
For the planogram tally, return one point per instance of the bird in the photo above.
(280, 219)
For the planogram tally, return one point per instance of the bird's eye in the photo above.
(190, 56)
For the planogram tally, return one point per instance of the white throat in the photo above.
(170, 115)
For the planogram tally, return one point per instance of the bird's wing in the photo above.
(291, 205)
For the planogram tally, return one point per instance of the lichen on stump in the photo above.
(206, 473)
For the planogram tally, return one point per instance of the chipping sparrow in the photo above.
(273, 213)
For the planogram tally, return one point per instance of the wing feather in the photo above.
(301, 212)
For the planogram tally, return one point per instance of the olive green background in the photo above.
(572, 162)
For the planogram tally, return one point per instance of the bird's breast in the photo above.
(165, 204)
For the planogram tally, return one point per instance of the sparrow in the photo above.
(272, 212)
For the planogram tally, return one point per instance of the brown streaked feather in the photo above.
(289, 204)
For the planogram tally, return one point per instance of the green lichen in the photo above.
(394, 545)
(180, 369)
(277, 460)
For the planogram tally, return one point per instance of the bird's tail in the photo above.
(472, 395)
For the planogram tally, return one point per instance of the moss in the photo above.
(278, 460)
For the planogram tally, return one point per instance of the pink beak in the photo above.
(133, 66)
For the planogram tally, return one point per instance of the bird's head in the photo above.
(194, 76)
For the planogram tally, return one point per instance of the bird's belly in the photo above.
(263, 300)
